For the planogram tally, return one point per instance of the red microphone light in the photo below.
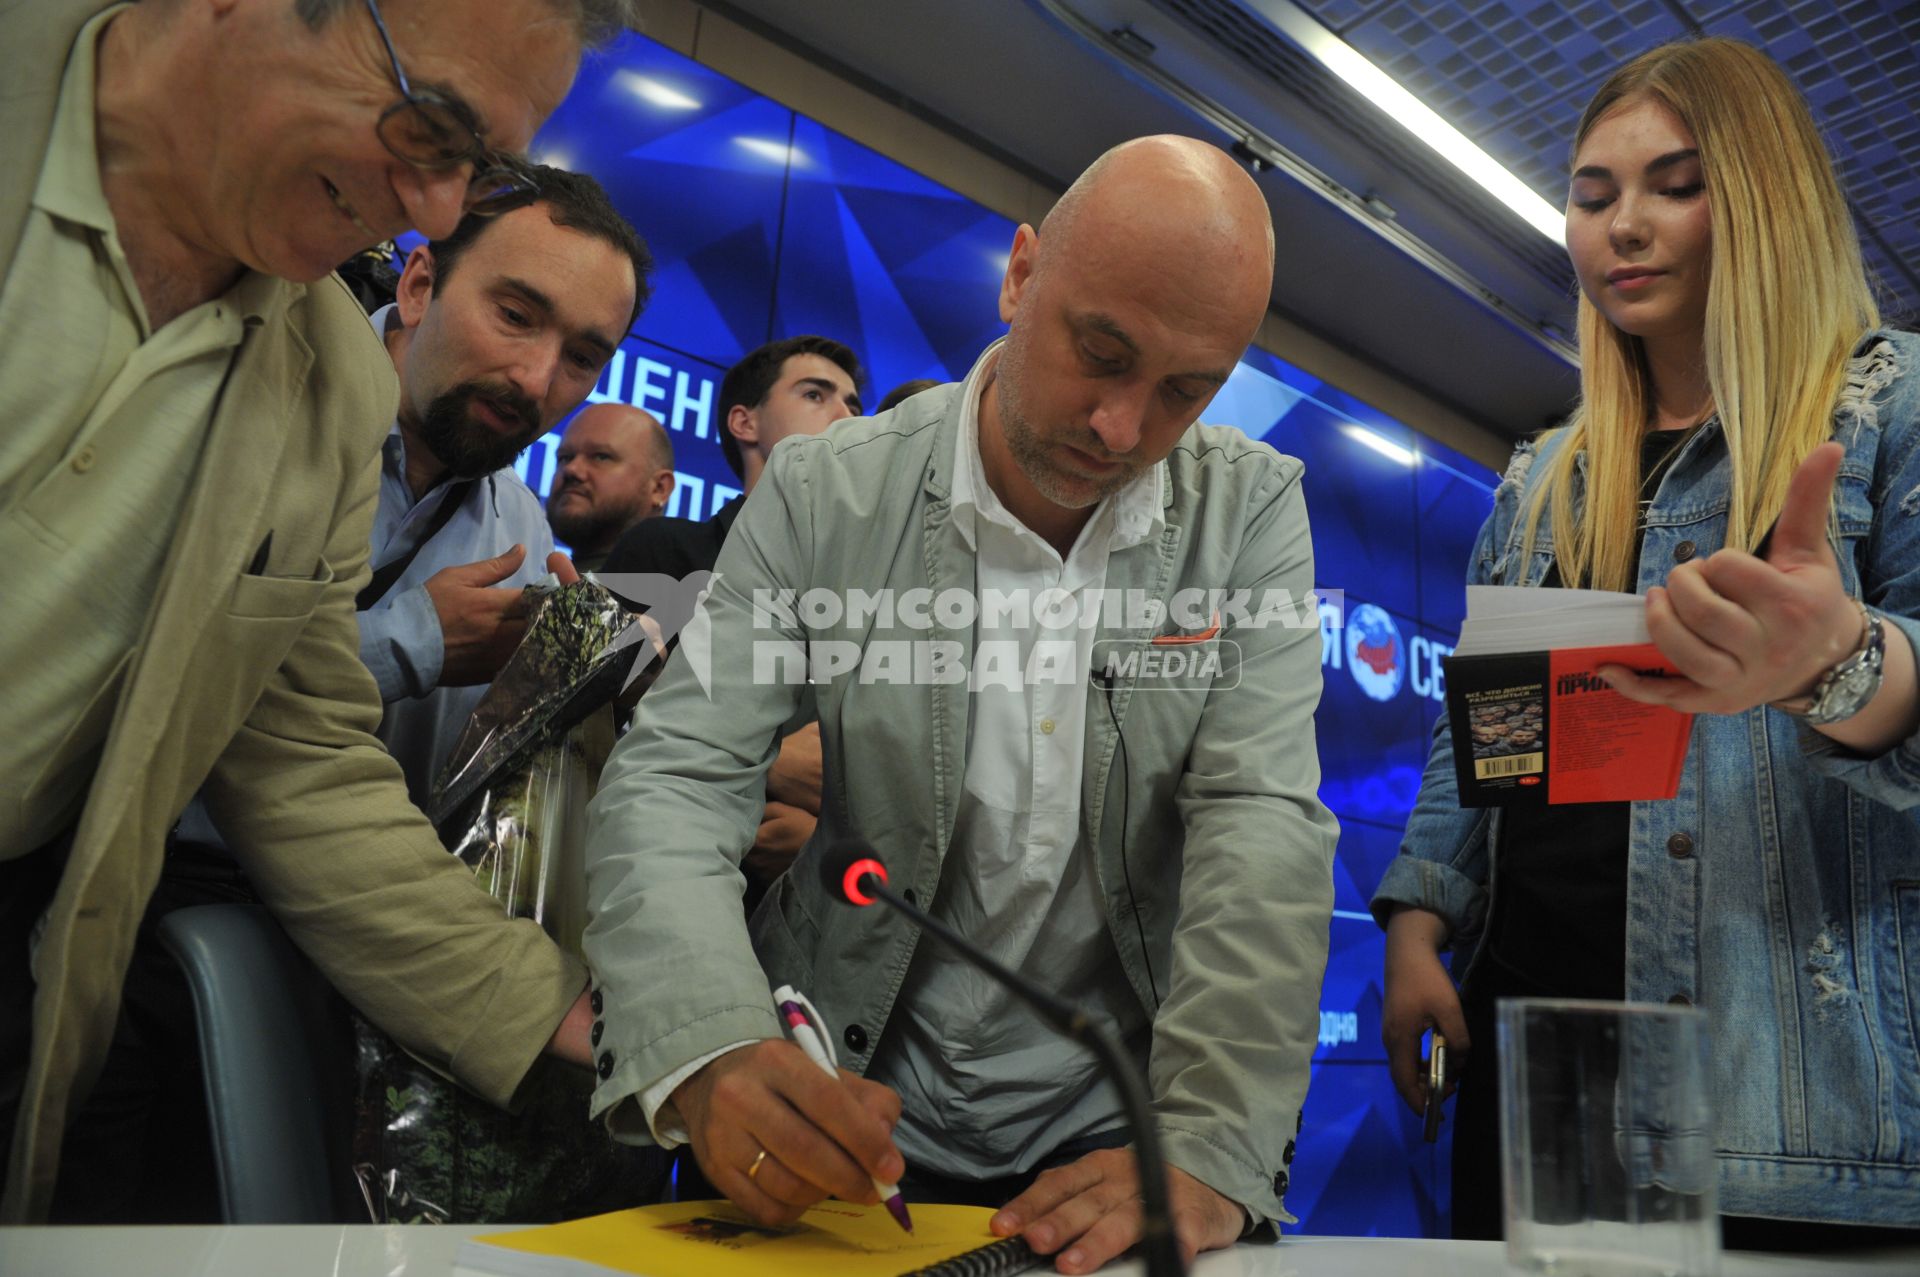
(850, 881)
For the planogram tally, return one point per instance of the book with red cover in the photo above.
(1531, 718)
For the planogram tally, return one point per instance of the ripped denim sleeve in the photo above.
(1881, 400)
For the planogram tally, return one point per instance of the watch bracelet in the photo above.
(1870, 650)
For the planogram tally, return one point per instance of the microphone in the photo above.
(853, 873)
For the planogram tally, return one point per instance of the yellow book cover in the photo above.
(714, 1239)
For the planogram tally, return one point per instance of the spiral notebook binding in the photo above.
(996, 1259)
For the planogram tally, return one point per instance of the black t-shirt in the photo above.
(1559, 922)
(673, 547)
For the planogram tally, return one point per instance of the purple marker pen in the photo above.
(800, 1028)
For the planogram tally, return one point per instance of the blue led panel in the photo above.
(1371, 751)
(1361, 1168)
(895, 265)
(1359, 500)
(1350, 997)
(1366, 848)
(1455, 496)
(696, 162)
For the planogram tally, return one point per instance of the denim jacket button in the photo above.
(1680, 846)
(1683, 551)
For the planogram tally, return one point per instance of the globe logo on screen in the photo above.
(1374, 653)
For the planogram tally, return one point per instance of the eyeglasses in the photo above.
(429, 131)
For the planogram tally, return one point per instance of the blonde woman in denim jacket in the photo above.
(1746, 455)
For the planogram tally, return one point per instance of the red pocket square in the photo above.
(1198, 636)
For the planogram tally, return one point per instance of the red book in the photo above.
(1533, 721)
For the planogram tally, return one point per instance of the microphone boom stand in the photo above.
(1158, 1245)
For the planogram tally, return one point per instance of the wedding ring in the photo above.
(755, 1168)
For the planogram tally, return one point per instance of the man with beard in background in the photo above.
(497, 332)
(613, 469)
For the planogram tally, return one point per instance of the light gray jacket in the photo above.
(1230, 850)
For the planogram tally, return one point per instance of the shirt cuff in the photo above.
(663, 1119)
(1434, 886)
(401, 643)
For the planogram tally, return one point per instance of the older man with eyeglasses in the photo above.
(187, 482)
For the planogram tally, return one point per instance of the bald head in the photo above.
(614, 467)
(634, 429)
(1173, 199)
(1127, 310)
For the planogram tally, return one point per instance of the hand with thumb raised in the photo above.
(1745, 630)
(480, 624)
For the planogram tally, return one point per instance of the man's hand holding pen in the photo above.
(776, 1135)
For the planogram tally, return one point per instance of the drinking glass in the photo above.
(1606, 1136)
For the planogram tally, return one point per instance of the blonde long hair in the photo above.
(1787, 300)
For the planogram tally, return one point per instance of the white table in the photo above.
(363, 1250)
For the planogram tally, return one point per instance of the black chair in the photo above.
(276, 1049)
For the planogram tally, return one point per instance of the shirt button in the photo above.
(1680, 846)
(1683, 551)
(855, 1038)
(593, 1000)
(1046, 727)
(598, 1029)
(83, 460)
(606, 1065)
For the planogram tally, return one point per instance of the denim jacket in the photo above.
(1780, 888)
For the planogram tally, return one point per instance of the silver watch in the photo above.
(1844, 690)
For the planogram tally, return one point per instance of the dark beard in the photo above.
(468, 448)
(585, 532)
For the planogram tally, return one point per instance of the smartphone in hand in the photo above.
(1436, 1086)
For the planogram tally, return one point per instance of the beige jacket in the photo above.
(252, 686)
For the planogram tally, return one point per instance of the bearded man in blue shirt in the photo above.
(498, 332)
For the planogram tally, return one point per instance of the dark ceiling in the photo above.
(1514, 75)
(1384, 251)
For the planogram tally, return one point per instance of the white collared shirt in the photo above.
(987, 1090)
